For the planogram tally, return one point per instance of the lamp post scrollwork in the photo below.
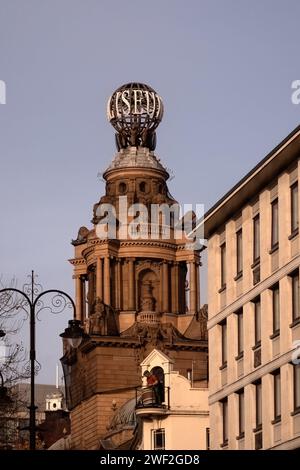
(32, 304)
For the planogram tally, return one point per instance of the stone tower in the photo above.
(136, 277)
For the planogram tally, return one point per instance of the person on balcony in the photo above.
(154, 383)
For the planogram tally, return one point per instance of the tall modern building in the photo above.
(253, 306)
(137, 281)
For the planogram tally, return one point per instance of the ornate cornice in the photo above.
(77, 261)
(109, 341)
(131, 342)
(102, 241)
(148, 243)
(131, 243)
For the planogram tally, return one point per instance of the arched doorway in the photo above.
(159, 373)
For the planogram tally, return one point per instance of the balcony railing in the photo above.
(148, 317)
(150, 397)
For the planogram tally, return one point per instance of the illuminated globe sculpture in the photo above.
(135, 110)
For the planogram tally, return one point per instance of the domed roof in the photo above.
(125, 416)
(133, 157)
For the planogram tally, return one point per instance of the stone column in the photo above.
(198, 286)
(78, 296)
(161, 288)
(118, 284)
(99, 279)
(107, 280)
(91, 288)
(83, 279)
(131, 285)
(175, 287)
(165, 286)
(193, 291)
(124, 278)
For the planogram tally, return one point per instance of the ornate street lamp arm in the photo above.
(33, 303)
(12, 289)
(55, 291)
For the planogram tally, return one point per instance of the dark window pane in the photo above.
(256, 238)
(257, 320)
(295, 296)
(275, 226)
(239, 252)
(294, 208)
(223, 265)
(159, 439)
(224, 343)
(207, 439)
(277, 395)
(225, 420)
(258, 405)
(276, 310)
(297, 387)
(240, 332)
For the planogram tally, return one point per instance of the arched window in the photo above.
(122, 188)
(159, 373)
(143, 187)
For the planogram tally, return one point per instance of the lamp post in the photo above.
(32, 294)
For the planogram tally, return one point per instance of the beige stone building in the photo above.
(183, 420)
(254, 310)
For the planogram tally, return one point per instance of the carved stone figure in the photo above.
(147, 299)
(97, 320)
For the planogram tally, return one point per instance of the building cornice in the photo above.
(192, 412)
(287, 445)
(109, 341)
(253, 182)
(77, 261)
(130, 342)
(145, 242)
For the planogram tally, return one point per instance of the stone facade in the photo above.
(132, 295)
(183, 420)
(254, 323)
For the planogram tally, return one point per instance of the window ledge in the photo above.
(240, 436)
(274, 249)
(255, 263)
(295, 412)
(257, 429)
(238, 276)
(276, 334)
(256, 346)
(276, 420)
(293, 234)
(239, 356)
(223, 366)
(224, 444)
(222, 289)
(296, 322)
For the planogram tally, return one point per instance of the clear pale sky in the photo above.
(224, 69)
